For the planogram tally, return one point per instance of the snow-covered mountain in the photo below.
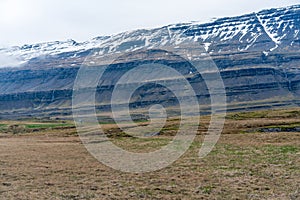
(266, 31)
(258, 55)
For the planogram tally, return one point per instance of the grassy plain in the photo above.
(252, 160)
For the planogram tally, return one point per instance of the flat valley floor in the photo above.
(257, 157)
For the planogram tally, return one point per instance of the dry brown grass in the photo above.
(53, 164)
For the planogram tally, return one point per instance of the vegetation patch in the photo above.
(247, 115)
(20, 128)
(270, 114)
(43, 126)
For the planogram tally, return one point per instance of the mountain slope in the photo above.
(268, 30)
(258, 55)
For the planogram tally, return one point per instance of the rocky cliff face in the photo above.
(258, 55)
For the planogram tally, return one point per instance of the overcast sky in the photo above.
(33, 21)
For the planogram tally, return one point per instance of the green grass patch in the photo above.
(279, 154)
(247, 115)
(43, 126)
(285, 126)
(264, 114)
(287, 149)
(104, 122)
(3, 127)
(207, 189)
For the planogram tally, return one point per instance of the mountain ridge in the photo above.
(267, 30)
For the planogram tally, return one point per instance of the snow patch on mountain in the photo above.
(216, 35)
